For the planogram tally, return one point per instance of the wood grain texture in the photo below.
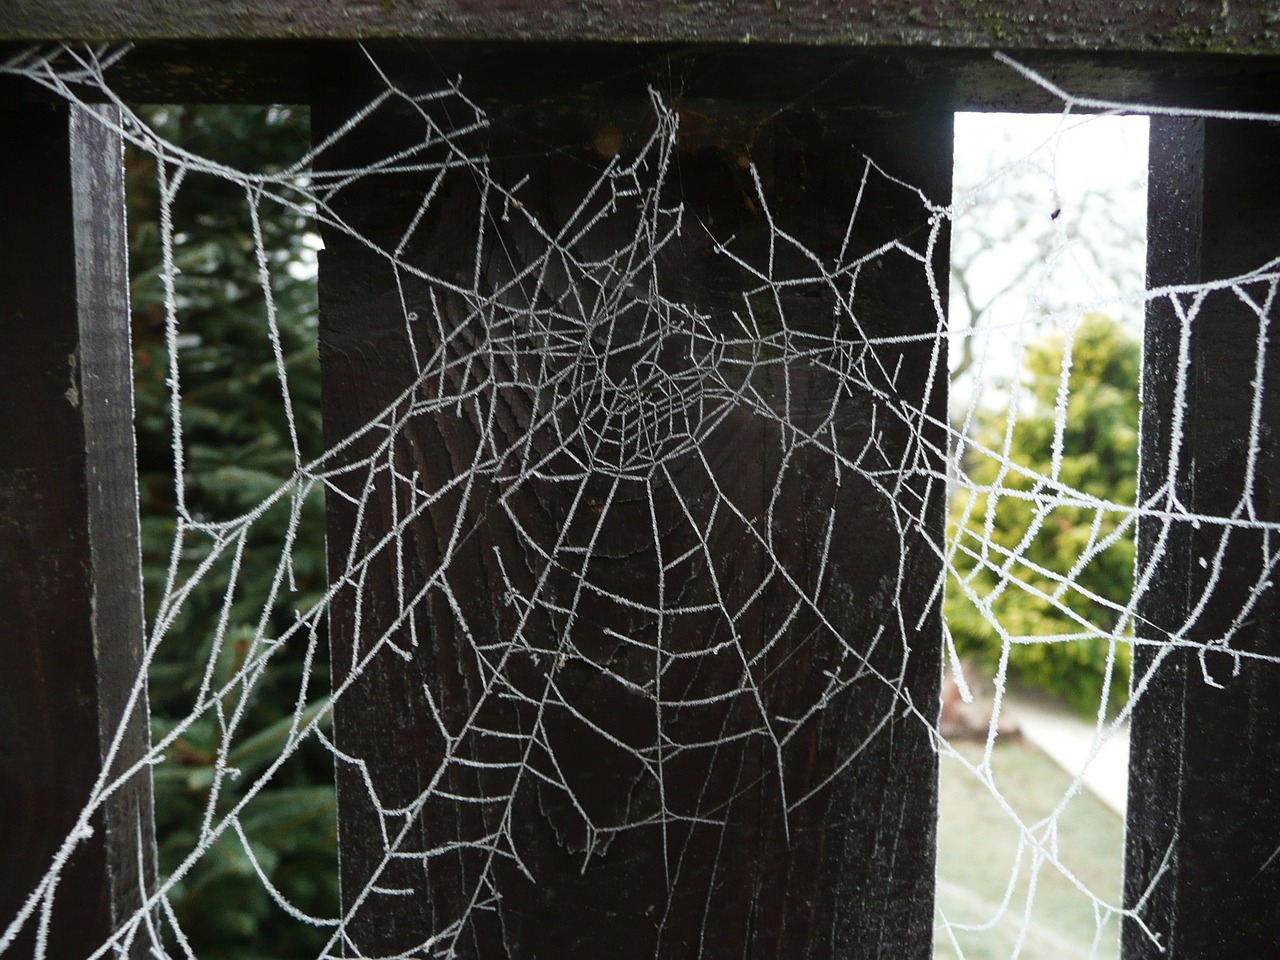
(708, 867)
(1204, 796)
(111, 483)
(298, 71)
(70, 578)
(1243, 26)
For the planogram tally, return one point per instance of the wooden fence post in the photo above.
(493, 729)
(1203, 832)
(71, 630)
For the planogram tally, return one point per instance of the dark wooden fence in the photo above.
(854, 877)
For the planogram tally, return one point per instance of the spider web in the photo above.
(621, 556)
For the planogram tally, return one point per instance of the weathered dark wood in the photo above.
(1248, 26)
(70, 581)
(854, 876)
(296, 71)
(1204, 797)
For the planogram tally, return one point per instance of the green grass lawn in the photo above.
(979, 846)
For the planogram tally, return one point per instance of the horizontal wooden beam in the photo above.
(835, 77)
(1241, 26)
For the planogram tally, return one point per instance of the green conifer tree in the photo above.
(236, 450)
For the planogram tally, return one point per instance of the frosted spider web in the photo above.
(592, 395)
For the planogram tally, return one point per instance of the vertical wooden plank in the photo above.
(1204, 798)
(70, 577)
(579, 695)
(111, 486)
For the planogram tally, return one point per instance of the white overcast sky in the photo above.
(1051, 210)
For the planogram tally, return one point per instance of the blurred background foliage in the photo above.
(237, 450)
(1072, 562)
